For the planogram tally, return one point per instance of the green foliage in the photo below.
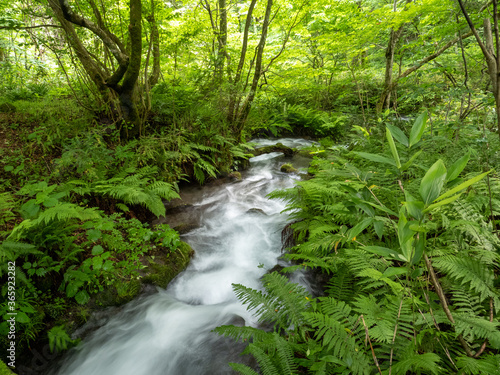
(59, 339)
(411, 262)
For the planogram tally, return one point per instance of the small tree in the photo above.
(118, 81)
(490, 49)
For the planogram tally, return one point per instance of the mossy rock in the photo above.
(235, 176)
(164, 267)
(288, 168)
(4, 370)
(306, 153)
(119, 294)
(278, 147)
(7, 108)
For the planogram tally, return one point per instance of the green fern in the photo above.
(470, 272)
(60, 212)
(484, 366)
(427, 363)
(283, 303)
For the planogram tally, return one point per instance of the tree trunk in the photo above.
(222, 45)
(123, 82)
(491, 51)
(245, 109)
(234, 95)
(385, 98)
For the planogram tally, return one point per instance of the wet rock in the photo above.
(287, 168)
(278, 147)
(234, 176)
(180, 216)
(257, 211)
(276, 268)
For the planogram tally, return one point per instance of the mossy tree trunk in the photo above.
(121, 82)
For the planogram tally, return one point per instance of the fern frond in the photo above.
(62, 211)
(11, 250)
(264, 361)
(338, 341)
(472, 327)
(243, 369)
(242, 333)
(484, 366)
(283, 303)
(427, 362)
(469, 271)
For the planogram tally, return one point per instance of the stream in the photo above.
(237, 241)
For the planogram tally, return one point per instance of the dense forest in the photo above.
(109, 108)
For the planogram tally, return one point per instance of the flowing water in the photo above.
(169, 332)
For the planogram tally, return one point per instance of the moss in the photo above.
(278, 147)
(235, 175)
(287, 168)
(4, 370)
(306, 153)
(162, 269)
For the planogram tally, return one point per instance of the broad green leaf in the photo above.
(93, 235)
(414, 207)
(419, 249)
(379, 228)
(441, 203)
(82, 297)
(392, 146)
(393, 271)
(457, 167)
(433, 182)
(404, 231)
(398, 134)
(30, 209)
(385, 252)
(464, 185)
(408, 164)
(97, 249)
(382, 208)
(376, 158)
(418, 128)
(97, 263)
(405, 235)
(72, 288)
(50, 202)
(358, 228)
(22, 318)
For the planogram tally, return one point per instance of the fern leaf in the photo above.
(243, 369)
(469, 271)
(428, 362)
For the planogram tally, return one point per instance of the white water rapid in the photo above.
(169, 332)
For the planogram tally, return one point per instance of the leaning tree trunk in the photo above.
(123, 81)
(490, 50)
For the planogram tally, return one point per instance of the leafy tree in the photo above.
(121, 78)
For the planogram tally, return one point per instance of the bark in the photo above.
(123, 81)
(234, 99)
(243, 114)
(222, 52)
(385, 97)
(155, 41)
(491, 51)
(421, 63)
(127, 91)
